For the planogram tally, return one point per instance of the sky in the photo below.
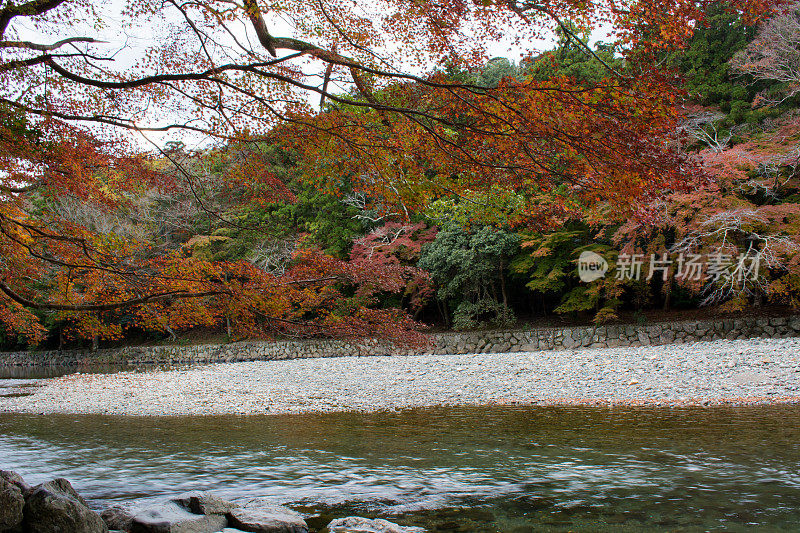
(126, 46)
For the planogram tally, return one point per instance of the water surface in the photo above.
(456, 469)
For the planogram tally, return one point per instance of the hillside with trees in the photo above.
(457, 198)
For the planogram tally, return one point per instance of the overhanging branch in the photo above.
(27, 45)
(105, 307)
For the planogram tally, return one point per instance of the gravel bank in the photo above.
(703, 373)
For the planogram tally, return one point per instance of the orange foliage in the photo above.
(402, 135)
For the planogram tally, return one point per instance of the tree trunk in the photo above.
(441, 311)
(503, 284)
(172, 336)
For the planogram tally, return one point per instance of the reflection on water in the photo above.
(455, 469)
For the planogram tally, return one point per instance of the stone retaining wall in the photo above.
(444, 343)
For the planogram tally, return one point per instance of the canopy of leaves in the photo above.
(322, 143)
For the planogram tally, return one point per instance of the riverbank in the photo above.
(701, 373)
(446, 343)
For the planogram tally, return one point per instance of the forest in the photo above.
(393, 202)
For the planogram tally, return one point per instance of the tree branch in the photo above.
(257, 19)
(105, 307)
(29, 9)
(18, 63)
(542, 9)
(27, 45)
(19, 190)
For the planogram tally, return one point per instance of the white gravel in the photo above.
(703, 373)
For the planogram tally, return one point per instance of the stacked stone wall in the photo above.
(521, 340)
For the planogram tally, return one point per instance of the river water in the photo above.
(506, 469)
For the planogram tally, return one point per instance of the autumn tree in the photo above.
(86, 86)
(774, 56)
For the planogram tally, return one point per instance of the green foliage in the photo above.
(325, 220)
(704, 62)
(499, 207)
(469, 269)
(572, 60)
(549, 262)
(484, 312)
(318, 218)
(495, 70)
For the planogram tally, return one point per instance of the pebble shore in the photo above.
(738, 372)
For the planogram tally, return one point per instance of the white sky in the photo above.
(127, 47)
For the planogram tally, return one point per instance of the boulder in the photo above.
(357, 524)
(569, 342)
(204, 503)
(12, 502)
(172, 518)
(15, 479)
(261, 516)
(644, 339)
(118, 517)
(55, 507)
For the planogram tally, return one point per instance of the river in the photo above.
(507, 469)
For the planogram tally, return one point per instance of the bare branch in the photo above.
(47, 47)
(29, 9)
(774, 55)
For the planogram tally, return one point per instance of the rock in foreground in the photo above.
(12, 503)
(202, 512)
(55, 507)
(357, 524)
(204, 503)
(118, 517)
(260, 516)
(172, 518)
